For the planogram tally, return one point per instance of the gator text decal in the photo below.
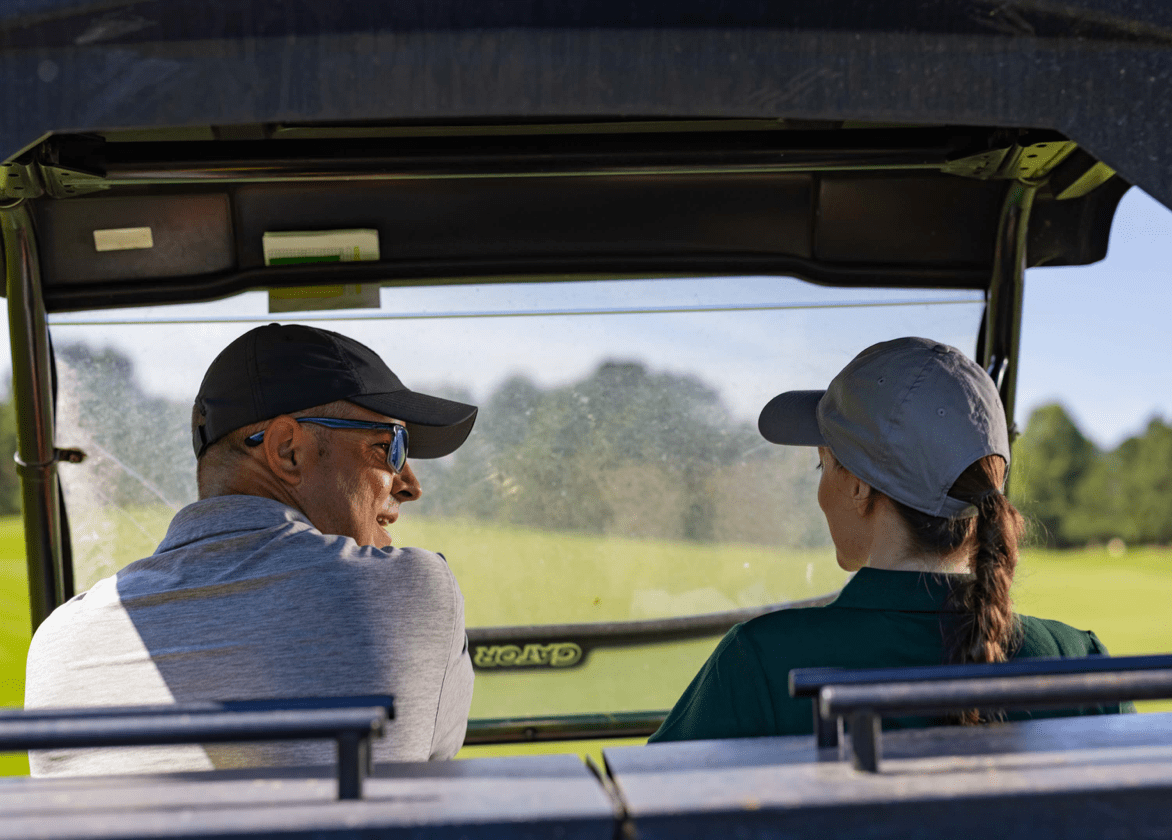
(555, 655)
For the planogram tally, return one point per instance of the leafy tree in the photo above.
(1050, 460)
(626, 451)
(1078, 495)
(1127, 493)
(469, 483)
(103, 409)
(137, 442)
(1097, 514)
(1143, 478)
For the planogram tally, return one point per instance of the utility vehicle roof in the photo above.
(845, 142)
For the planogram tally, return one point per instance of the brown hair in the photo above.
(987, 630)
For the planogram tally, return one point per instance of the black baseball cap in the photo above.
(278, 369)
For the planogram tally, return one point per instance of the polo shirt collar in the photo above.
(881, 589)
(223, 516)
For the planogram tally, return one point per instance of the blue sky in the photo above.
(1098, 338)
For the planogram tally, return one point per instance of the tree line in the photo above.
(132, 438)
(1075, 493)
(624, 451)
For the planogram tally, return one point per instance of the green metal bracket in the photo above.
(1097, 175)
(1030, 164)
(19, 181)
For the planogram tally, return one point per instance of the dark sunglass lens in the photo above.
(397, 456)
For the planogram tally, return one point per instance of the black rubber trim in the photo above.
(213, 287)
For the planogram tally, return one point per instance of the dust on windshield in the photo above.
(615, 472)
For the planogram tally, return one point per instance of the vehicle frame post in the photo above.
(825, 729)
(353, 762)
(1002, 338)
(36, 458)
(866, 746)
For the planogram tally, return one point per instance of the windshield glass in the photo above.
(615, 474)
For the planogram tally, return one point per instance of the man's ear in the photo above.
(285, 449)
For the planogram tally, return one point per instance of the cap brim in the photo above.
(437, 427)
(792, 419)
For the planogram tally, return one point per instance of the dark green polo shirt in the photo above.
(880, 619)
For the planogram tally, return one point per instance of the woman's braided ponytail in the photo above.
(986, 629)
(989, 627)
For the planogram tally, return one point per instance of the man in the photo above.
(281, 581)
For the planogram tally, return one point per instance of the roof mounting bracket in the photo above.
(72, 165)
(19, 181)
(1032, 163)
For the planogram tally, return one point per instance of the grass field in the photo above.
(14, 628)
(511, 576)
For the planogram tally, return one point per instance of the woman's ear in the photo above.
(284, 449)
(861, 495)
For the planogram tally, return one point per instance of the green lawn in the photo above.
(510, 576)
(1123, 599)
(14, 629)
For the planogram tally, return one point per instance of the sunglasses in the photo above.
(396, 452)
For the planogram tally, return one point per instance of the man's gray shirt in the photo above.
(245, 599)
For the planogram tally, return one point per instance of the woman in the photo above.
(913, 450)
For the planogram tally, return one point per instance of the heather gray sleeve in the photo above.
(451, 719)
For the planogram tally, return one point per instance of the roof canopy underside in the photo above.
(1095, 70)
(661, 107)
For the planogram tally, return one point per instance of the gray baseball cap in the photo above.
(278, 369)
(906, 416)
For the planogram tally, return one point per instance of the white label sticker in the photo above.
(292, 247)
(123, 239)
